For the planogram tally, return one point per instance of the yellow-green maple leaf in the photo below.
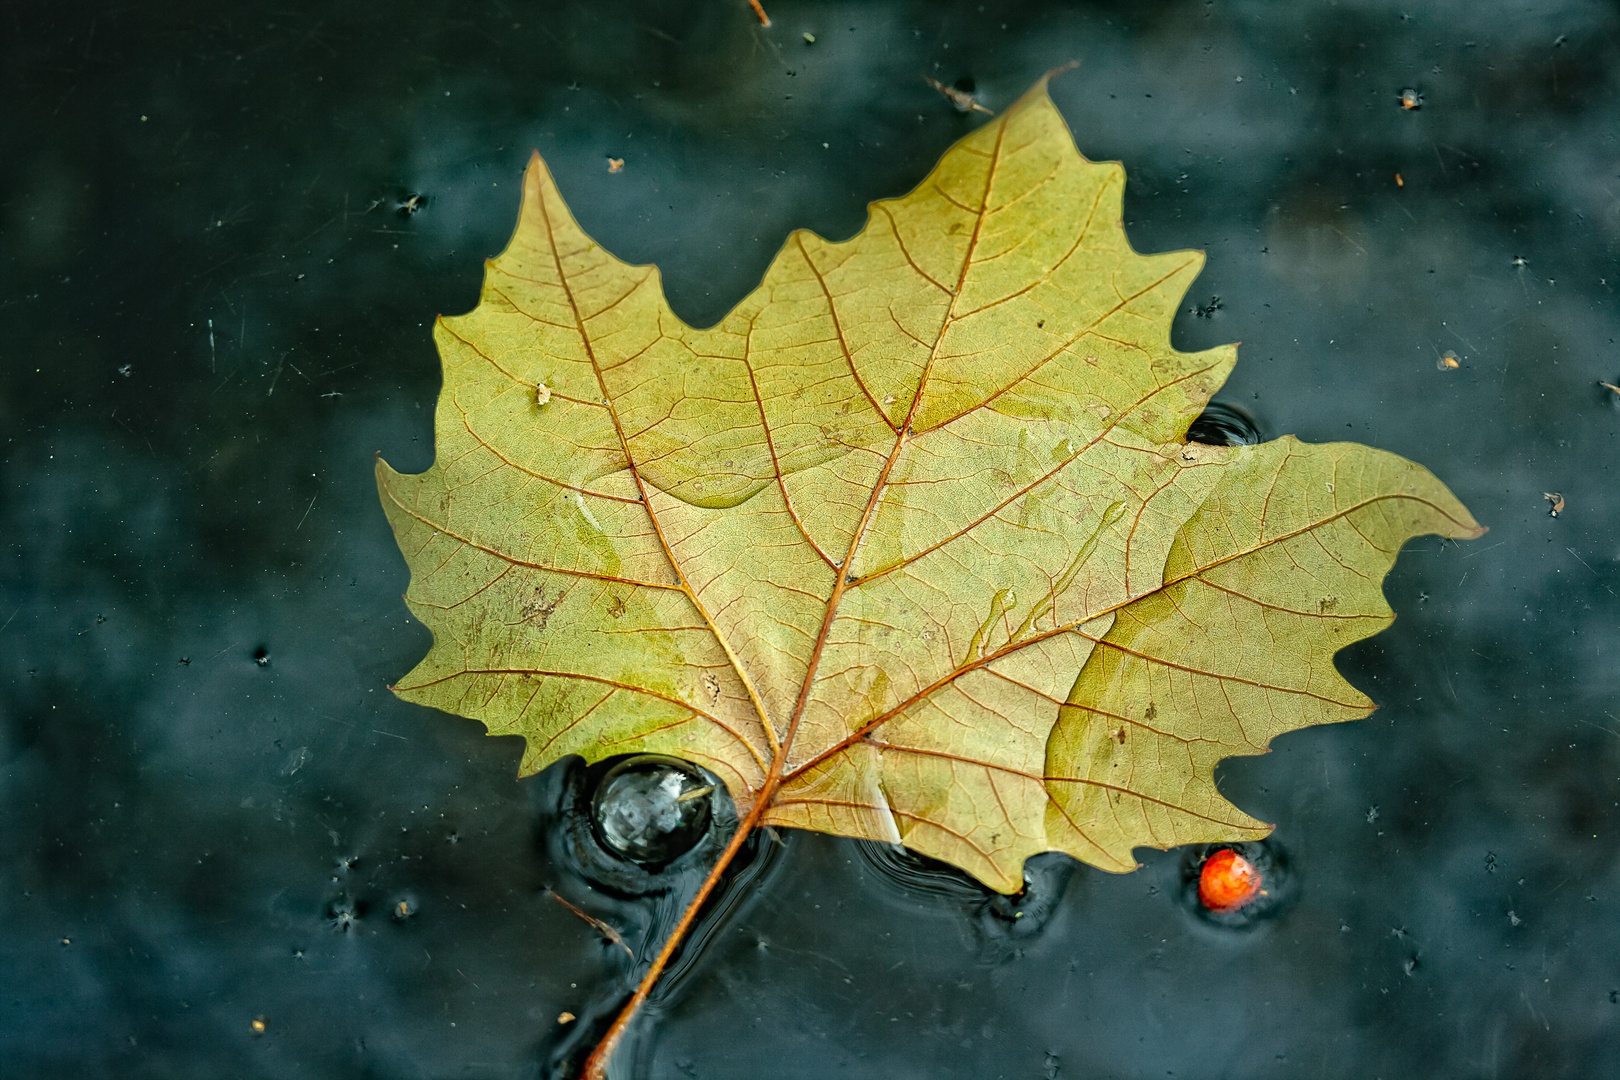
(910, 546)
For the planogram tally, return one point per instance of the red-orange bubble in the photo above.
(1228, 881)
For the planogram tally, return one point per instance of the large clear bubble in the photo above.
(652, 809)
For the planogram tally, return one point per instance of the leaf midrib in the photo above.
(902, 435)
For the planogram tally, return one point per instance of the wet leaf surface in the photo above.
(908, 547)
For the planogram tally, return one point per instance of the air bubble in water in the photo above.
(1221, 424)
(652, 809)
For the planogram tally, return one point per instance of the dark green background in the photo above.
(213, 315)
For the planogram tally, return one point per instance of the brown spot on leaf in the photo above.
(537, 609)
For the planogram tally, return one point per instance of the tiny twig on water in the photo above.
(964, 101)
(608, 933)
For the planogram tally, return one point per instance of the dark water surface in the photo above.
(224, 233)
